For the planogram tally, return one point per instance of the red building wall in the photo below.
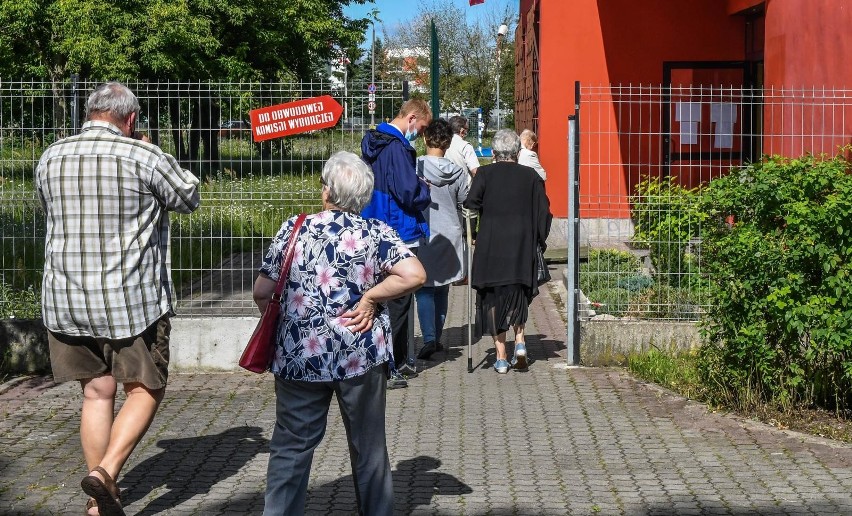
(601, 42)
(807, 51)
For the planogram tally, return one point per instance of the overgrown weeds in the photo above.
(678, 371)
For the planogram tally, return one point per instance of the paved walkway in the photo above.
(548, 441)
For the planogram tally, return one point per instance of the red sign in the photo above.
(296, 117)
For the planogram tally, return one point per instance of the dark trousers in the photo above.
(301, 413)
(401, 317)
(401, 312)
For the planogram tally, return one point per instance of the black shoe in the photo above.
(427, 350)
(407, 371)
(439, 346)
(396, 381)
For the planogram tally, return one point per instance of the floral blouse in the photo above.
(338, 256)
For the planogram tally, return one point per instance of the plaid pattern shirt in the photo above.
(106, 258)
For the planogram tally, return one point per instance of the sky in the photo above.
(393, 12)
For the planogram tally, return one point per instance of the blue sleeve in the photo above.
(405, 187)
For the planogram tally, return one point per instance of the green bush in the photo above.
(606, 267)
(777, 249)
(610, 279)
(610, 301)
(662, 301)
(666, 219)
(19, 303)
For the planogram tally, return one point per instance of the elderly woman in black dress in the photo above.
(515, 219)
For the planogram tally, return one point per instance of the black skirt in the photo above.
(500, 308)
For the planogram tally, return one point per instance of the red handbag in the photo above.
(257, 356)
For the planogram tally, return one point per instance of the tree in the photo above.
(468, 56)
(165, 39)
(239, 40)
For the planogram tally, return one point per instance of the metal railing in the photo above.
(248, 189)
(644, 148)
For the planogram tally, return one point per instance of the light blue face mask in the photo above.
(411, 134)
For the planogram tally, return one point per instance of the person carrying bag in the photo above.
(257, 356)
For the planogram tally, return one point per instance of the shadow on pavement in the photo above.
(191, 466)
(415, 482)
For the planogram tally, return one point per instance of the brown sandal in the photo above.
(105, 492)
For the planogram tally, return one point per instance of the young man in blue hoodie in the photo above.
(399, 198)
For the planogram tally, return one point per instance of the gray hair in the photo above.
(506, 145)
(112, 98)
(349, 181)
(458, 123)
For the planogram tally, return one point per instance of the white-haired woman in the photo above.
(528, 157)
(514, 220)
(333, 338)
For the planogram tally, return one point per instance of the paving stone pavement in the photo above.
(552, 440)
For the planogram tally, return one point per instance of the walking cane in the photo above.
(469, 293)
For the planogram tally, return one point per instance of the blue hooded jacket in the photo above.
(399, 196)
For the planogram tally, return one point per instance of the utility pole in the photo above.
(345, 88)
(434, 70)
(373, 72)
(501, 33)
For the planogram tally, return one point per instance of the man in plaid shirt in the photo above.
(107, 291)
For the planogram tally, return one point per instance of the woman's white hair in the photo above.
(506, 145)
(113, 98)
(349, 181)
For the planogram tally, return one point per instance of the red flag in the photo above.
(474, 2)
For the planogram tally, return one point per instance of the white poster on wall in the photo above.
(723, 115)
(688, 114)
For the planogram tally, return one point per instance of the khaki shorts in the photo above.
(142, 359)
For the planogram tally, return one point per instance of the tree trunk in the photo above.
(59, 118)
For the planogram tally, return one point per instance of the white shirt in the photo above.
(462, 154)
(530, 159)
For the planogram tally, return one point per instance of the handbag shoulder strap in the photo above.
(287, 259)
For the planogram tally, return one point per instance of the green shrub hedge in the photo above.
(777, 249)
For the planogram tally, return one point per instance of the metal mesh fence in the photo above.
(646, 151)
(248, 189)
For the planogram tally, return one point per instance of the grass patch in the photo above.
(676, 370)
(235, 216)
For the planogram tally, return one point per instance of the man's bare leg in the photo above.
(96, 418)
(128, 428)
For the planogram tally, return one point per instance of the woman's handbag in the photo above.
(258, 353)
(542, 272)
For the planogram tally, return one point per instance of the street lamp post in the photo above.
(501, 33)
(373, 72)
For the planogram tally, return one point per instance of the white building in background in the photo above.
(410, 64)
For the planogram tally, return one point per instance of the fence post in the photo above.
(404, 91)
(573, 236)
(75, 114)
